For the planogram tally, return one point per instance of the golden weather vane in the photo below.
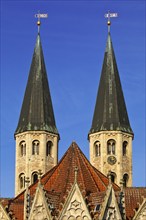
(39, 16)
(108, 16)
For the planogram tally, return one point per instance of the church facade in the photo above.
(74, 188)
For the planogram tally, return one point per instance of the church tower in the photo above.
(36, 135)
(110, 136)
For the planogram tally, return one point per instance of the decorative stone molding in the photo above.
(75, 207)
(141, 213)
(110, 209)
(75, 212)
(111, 214)
(39, 208)
(39, 212)
(3, 214)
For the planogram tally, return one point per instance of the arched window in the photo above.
(34, 177)
(112, 176)
(21, 180)
(125, 179)
(97, 148)
(49, 146)
(22, 146)
(125, 143)
(35, 147)
(111, 146)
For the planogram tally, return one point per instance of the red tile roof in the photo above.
(62, 176)
(133, 197)
(92, 183)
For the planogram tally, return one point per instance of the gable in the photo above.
(75, 206)
(141, 213)
(39, 209)
(3, 214)
(110, 209)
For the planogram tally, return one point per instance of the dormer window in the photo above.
(111, 147)
(35, 147)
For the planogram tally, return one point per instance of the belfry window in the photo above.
(125, 179)
(34, 177)
(113, 177)
(22, 146)
(35, 147)
(97, 148)
(49, 146)
(111, 146)
(21, 180)
(125, 143)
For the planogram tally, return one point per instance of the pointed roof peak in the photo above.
(75, 161)
(37, 110)
(110, 110)
(74, 145)
(108, 43)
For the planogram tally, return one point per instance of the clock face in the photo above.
(111, 160)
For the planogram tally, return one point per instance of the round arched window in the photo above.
(112, 176)
(21, 180)
(34, 177)
(97, 148)
(125, 143)
(111, 146)
(22, 146)
(35, 147)
(125, 179)
(49, 146)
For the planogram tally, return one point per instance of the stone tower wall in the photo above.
(30, 161)
(115, 162)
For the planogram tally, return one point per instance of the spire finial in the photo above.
(76, 173)
(108, 16)
(39, 175)
(38, 16)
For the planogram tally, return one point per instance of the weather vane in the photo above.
(108, 16)
(39, 16)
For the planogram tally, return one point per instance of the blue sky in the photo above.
(73, 39)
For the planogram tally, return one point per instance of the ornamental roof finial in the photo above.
(76, 173)
(39, 175)
(108, 16)
(38, 16)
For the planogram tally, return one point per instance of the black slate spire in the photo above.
(110, 110)
(37, 110)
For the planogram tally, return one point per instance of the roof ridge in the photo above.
(81, 172)
(58, 165)
(87, 163)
